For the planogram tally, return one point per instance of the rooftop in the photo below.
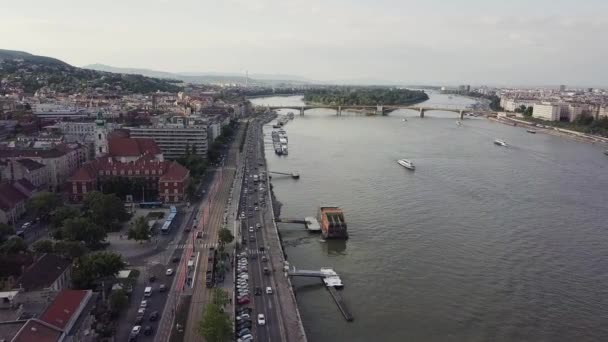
(66, 308)
(37, 331)
(43, 272)
(132, 147)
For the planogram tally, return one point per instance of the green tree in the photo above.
(63, 213)
(82, 229)
(43, 246)
(43, 203)
(13, 245)
(106, 210)
(215, 325)
(140, 230)
(220, 297)
(118, 301)
(5, 232)
(96, 266)
(69, 249)
(225, 236)
(528, 111)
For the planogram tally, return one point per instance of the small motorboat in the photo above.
(500, 142)
(406, 164)
(459, 123)
(531, 131)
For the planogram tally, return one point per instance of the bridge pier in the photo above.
(339, 111)
(302, 111)
(422, 112)
(461, 114)
(379, 110)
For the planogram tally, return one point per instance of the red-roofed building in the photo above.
(133, 167)
(67, 318)
(66, 309)
(38, 331)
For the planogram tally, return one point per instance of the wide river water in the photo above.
(480, 243)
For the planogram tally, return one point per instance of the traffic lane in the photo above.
(260, 301)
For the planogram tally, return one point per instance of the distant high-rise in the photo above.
(562, 87)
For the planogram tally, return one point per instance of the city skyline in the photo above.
(520, 44)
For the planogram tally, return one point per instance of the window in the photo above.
(146, 172)
(137, 172)
(166, 190)
(175, 191)
(174, 183)
(153, 171)
(122, 172)
(130, 172)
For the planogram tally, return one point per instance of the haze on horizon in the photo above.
(542, 42)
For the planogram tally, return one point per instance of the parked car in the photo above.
(148, 330)
(169, 271)
(135, 330)
(162, 288)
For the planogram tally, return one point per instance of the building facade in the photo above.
(547, 111)
(173, 139)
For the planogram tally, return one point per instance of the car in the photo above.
(243, 300)
(242, 286)
(153, 316)
(199, 234)
(139, 320)
(162, 288)
(266, 271)
(152, 279)
(257, 291)
(143, 304)
(261, 249)
(244, 311)
(175, 259)
(243, 276)
(264, 258)
(256, 209)
(245, 338)
(261, 319)
(148, 330)
(135, 330)
(244, 332)
(251, 237)
(141, 311)
(243, 317)
(251, 229)
(244, 325)
(258, 226)
(169, 271)
(268, 290)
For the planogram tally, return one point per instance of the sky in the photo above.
(441, 42)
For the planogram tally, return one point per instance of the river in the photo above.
(480, 243)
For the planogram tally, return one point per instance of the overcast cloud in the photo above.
(539, 42)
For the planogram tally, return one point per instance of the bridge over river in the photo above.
(384, 109)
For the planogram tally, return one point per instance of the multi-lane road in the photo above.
(254, 202)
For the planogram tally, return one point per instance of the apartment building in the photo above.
(174, 138)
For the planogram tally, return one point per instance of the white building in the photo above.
(547, 111)
(173, 138)
(510, 104)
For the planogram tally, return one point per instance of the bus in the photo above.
(150, 205)
(166, 228)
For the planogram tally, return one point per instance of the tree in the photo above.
(5, 232)
(63, 213)
(82, 229)
(13, 245)
(95, 266)
(220, 297)
(225, 236)
(528, 111)
(43, 246)
(215, 325)
(118, 301)
(43, 203)
(106, 210)
(140, 230)
(69, 249)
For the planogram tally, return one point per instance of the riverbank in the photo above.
(560, 132)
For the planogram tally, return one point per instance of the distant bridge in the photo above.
(382, 109)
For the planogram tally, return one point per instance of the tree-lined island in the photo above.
(364, 96)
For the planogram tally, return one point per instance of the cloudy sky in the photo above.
(515, 42)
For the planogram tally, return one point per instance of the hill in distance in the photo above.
(31, 72)
(207, 77)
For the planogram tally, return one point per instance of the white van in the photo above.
(148, 291)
